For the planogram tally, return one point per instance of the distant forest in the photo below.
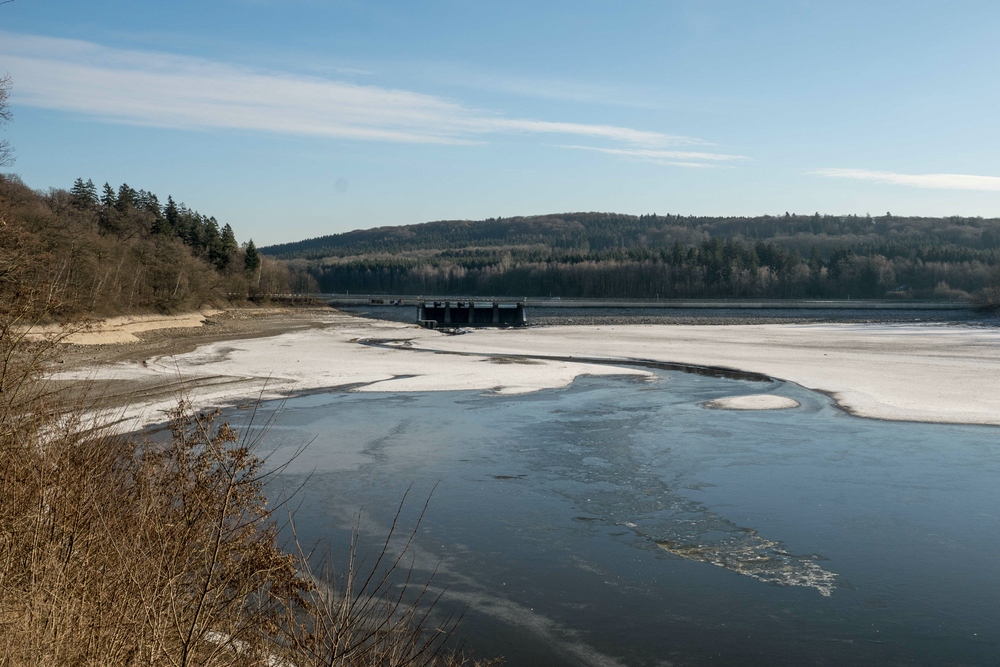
(665, 256)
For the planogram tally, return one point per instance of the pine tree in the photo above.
(152, 204)
(229, 241)
(251, 258)
(108, 198)
(161, 227)
(192, 227)
(126, 198)
(213, 243)
(171, 214)
(85, 194)
(79, 192)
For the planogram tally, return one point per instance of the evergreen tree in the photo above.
(160, 227)
(85, 194)
(92, 192)
(152, 204)
(229, 244)
(213, 243)
(171, 214)
(108, 198)
(192, 228)
(147, 201)
(126, 198)
(78, 188)
(251, 258)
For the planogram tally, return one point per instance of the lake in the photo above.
(619, 521)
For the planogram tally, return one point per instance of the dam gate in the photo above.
(434, 314)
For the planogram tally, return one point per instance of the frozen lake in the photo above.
(619, 521)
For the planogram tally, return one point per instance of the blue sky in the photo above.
(297, 118)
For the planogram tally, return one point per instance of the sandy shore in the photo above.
(119, 330)
(292, 352)
(901, 372)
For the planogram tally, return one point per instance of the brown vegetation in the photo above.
(117, 549)
(6, 152)
(117, 552)
(125, 253)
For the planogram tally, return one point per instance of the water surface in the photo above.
(618, 521)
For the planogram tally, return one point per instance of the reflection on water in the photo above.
(580, 525)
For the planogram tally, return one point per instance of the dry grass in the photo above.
(118, 550)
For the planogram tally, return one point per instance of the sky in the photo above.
(290, 119)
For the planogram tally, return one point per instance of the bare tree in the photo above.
(6, 115)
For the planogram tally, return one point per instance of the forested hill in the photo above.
(613, 255)
(77, 252)
(603, 231)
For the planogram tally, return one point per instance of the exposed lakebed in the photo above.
(619, 521)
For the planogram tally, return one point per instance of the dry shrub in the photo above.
(120, 550)
(165, 553)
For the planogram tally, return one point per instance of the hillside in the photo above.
(78, 252)
(613, 255)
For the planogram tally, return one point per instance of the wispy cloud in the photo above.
(674, 158)
(929, 181)
(158, 89)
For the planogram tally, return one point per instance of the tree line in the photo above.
(117, 250)
(128, 213)
(585, 232)
(618, 256)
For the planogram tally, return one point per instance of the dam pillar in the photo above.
(447, 312)
(496, 313)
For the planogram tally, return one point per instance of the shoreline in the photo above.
(288, 352)
(913, 372)
(898, 372)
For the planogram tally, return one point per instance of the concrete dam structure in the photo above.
(434, 314)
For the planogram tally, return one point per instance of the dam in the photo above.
(435, 314)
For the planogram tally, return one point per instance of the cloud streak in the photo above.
(697, 159)
(164, 90)
(927, 181)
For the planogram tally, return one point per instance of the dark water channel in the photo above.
(617, 521)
